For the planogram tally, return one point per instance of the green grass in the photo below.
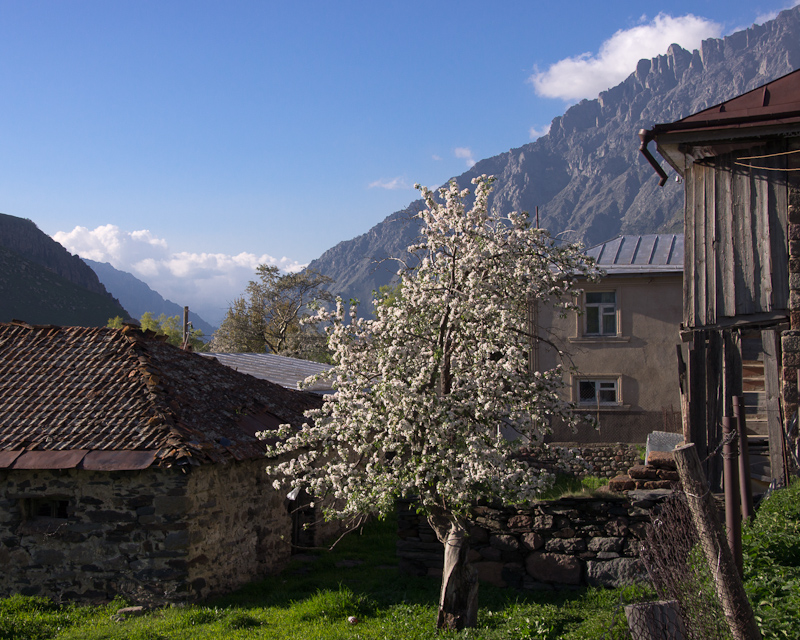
(567, 486)
(313, 600)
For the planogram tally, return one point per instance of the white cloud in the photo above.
(207, 282)
(538, 132)
(588, 74)
(465, 153)
(436, 157)
(391, 184)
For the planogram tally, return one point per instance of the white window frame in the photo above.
(600, 385)
(604, 310)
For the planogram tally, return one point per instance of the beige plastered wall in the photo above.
(641, 358)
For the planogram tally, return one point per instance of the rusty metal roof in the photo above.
(100, 398)
(777, 102)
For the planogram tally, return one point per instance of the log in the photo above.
(727, 581)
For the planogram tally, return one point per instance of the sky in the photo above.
(186, 142)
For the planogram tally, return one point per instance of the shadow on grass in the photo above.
(363, 571)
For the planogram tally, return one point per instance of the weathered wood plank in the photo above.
(700, 245)
(726, 283)
(760, 215)
(778, 230)
(743, 242)
(710, 208)
(689, 284)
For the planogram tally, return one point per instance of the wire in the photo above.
(770, 155)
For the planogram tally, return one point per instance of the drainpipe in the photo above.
(646, 135)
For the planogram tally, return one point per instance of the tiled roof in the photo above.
(287, 372)
(653, 253)
(126, 400)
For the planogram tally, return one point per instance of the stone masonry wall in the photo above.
(603, 460)
(155, 535)
(242, 527)
(554, 544)
(120, 535)
(790, 340)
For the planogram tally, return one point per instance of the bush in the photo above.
(771, 545)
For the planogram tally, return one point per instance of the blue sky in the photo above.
(187, 141)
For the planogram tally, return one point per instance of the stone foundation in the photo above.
(155, 535)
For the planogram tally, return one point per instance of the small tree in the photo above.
(169, 326)
(423, 388)
(268, 316)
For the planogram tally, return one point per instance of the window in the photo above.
(601, 313)
(598, 392)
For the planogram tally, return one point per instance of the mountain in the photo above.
(586, 175)
(139, 298)
(42, 283)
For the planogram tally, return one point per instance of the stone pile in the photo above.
(660, 472)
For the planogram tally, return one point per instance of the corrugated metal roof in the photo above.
(652, 253)
(69, 391)
(282, 370)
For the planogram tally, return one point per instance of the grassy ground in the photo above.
(315, 596)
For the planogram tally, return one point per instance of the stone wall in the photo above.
(554, 544)
(790, 340)
(151, 535)
(241, 527)
(603, 460)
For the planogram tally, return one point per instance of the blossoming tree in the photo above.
(425, 388)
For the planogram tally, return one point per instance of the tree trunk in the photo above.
(458, 602)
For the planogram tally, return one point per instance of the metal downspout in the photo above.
(645, 135)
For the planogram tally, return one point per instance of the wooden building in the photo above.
(739, 160)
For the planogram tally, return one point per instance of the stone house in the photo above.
(621, 347)
(131, 467)
(739, 161)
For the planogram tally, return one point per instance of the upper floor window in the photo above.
(601, 313)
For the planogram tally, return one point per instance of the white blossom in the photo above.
(422, 387)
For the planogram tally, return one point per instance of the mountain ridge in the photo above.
(586, 175)
(137, 296)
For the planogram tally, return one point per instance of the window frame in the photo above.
(596, 402)
(602, 313)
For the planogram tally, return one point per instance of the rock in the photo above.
(532, 541)
(504, 542)
(621, 483)
(554, 568)
(641, 472)
(491, 572)
(614, 573)
(661, 460)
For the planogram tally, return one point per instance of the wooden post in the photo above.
(655, 621)
(714, 407)
(772, 390)
(684, 387)
(744, 458)
(727, 582)
(733, 514)
(697, 393)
